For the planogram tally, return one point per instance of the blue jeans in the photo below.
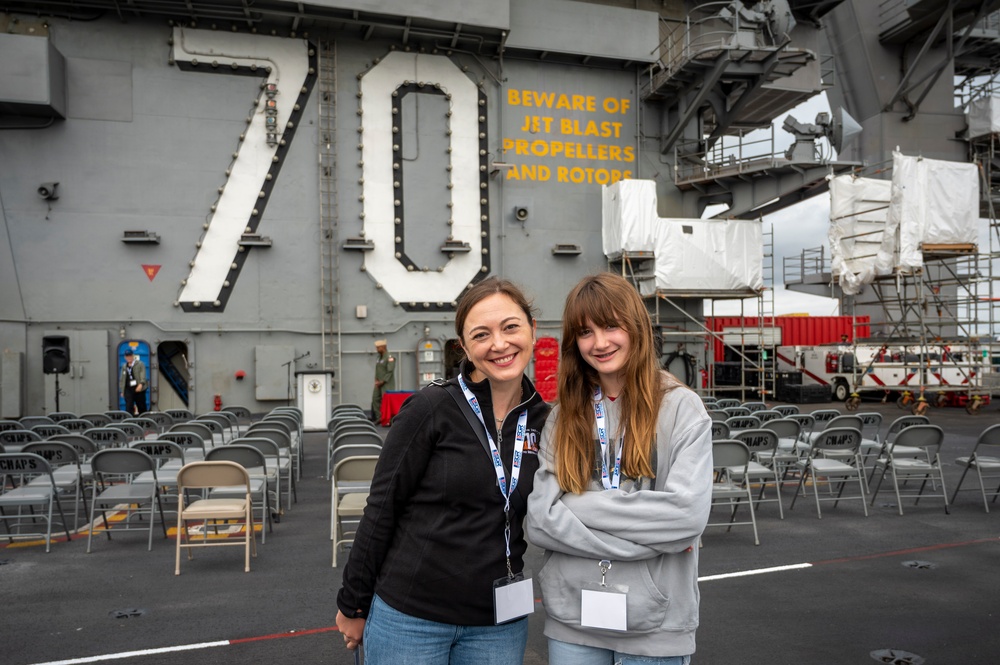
(394, 638)
(564, 653)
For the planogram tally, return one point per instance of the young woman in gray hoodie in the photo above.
(622, 492)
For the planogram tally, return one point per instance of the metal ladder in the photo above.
(329, 214)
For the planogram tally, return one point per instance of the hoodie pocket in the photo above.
(563, 577)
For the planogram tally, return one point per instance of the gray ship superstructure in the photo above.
(249, 194)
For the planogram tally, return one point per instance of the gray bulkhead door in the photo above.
(87, 387)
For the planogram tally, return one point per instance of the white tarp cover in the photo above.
(934, 202)
(858, 210)
(629, 210)
(709, 255)
(983, 116)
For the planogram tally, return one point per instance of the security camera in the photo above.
(520, 214)
(47, 190)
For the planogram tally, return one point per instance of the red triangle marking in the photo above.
(150, 271)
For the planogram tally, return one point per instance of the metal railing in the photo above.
(728, 155)
(810, 263)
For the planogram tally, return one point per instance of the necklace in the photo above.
(520, 398)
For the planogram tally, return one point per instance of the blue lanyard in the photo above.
(602, 436)
(515, 466)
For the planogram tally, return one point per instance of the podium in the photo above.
(315, 398)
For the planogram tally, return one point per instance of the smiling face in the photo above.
(606, 349)
(498, 338)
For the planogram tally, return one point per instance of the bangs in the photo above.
(593, 303)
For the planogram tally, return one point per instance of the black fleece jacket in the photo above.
(431, 542)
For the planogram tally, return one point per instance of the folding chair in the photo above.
(8, 425)
(49, 431)
(66, 473)
(193, 444)
(895, 427)
(851, 420)
(366, 428)
(30, 421)
(726, 403)
(14, 440)
(169, 458)
(786, 410)
(59, 416)
(117, 415)
(253, 461)
(763, 446)
(148, 425)
(162, 419)
(107, 437)
(824, 415)
(736, 423)
(737, 411)
(765, 415)
(985, 459)
(718, 415)
(726, 491)
(132, 431)
(754, 407)
(279, 468)
(201, 429)
(219, 424)
(871, 440)
(790, 448)
(76, 424)
(720, 430)
(180, 415)
(923, 467)
(33, 487)
(283, 441)
(348, 506)
(113, 489)
(209, 475)
(818, 466)
(347, 408)
(97, 419)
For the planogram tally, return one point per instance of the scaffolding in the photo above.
(933, 333)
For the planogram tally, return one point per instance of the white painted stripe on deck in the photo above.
(133, 654)
(758, 571)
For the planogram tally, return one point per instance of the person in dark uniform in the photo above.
(385, 378)
(133, 383)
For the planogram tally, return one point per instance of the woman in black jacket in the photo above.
(434, 575)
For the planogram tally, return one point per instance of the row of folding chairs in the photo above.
(66, 466)
(352, 451)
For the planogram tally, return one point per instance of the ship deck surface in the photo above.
(921, 583)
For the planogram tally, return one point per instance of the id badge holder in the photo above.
(513, 598)
(603, 605)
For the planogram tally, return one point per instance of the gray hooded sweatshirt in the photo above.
(648, 529)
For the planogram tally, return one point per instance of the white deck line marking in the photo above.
(758, 571)
(133, 654)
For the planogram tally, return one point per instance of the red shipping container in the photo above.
(795, 330)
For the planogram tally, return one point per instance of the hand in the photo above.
(140, 388)
(353, 630)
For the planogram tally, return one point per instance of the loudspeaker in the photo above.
(521, 213)
(55, 354)
(47, 190)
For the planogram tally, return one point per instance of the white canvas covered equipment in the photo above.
(858, 210)
(933, 202)
(983, 116)
(629, 216)
(709, 255)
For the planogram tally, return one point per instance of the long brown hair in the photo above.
(607, 300)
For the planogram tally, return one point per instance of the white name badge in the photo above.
(512, 599)
(603, 609)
